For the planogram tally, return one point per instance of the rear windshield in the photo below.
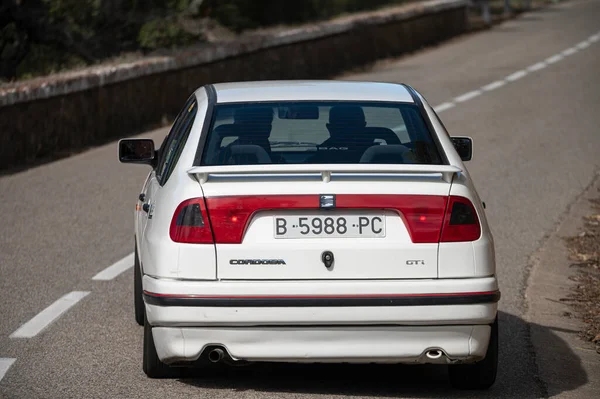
(318, 133)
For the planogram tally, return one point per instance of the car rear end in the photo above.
(306, 250)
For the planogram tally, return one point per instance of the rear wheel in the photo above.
(480, 375)
(152, 365)
(138, 301)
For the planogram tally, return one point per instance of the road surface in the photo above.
(527, 91)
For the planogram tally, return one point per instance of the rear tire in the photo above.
(152, 365)
(138, 300)
(480, 375)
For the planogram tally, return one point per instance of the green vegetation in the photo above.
(39, 37)
(239, 15)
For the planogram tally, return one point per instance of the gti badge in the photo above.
(327, 201)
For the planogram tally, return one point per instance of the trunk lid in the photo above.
(284, 222)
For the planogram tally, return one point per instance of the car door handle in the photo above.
(146, 208)
(142, 197)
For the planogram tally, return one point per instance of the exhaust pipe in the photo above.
(216, 355)
(434, 354)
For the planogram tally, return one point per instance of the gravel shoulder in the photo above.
(562, 293)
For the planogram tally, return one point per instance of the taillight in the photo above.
(428, 218)
(422, 214)
(190, 223)
(461, 222)
(230, 216)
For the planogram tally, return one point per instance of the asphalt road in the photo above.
(537, 146)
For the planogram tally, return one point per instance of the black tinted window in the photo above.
(173, 145)
(318, 132)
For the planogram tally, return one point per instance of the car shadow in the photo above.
(518, 376)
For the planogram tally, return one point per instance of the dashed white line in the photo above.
(554, 58)
(443, 107)
(516, 76)
(467, 96)
(5, 363)
(494, 85)
(537, 67)
(43, 319)
(115, 269)
(569, 51)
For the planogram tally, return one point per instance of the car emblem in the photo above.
(327, 201)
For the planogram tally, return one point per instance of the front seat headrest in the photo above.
(347, 115)
(253, 116)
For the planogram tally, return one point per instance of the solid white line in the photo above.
(554, 58)
(443, 107)
(43, 319)
(115, 269)
(516, 76)
(594, 38)
(494, 85)
(537, 67)
(5, 364)
(569, 51)
(467, 96)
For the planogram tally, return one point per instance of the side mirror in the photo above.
(139, 151)
(464, 147)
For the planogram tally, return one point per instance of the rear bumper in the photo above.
(173, 303)
(322, 321)
(458, 344)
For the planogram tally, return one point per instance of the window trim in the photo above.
(211, 111)
(211, 95)
(432, 131)
(178, 125)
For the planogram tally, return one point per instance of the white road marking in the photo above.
(554, 58)
(516, 76)
(115, 269)
(537, 67)
(467, 96)
(443, 107)
(494, 85)
(5, 364)
(43, 319)
(569, 51)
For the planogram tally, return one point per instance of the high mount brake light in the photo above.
(461, 222)
(190, 223)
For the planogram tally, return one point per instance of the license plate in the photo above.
(347, 226)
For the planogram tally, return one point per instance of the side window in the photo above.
(175, 141)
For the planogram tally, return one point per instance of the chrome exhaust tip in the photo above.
(434, 354)
(216, 355)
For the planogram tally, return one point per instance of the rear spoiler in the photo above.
(204, 173)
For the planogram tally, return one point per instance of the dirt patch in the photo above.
(584, 249)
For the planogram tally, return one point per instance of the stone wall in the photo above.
(44, 117)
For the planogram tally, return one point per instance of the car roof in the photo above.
(311, 90)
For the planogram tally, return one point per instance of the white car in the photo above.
(301, 221)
